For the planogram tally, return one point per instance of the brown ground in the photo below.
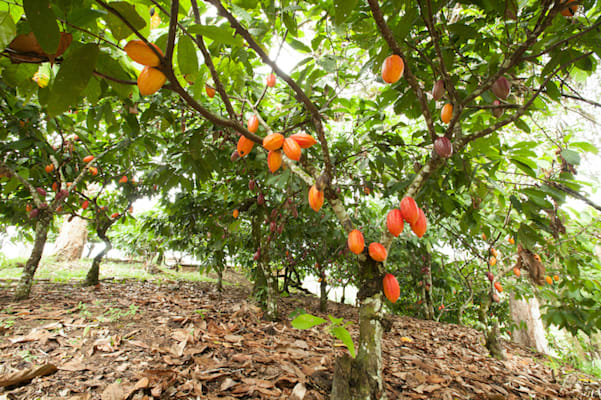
(183, 340)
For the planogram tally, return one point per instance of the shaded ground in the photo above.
(140, 340)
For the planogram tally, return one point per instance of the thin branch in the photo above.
(110, 78)
(411, 79)
(171, 35)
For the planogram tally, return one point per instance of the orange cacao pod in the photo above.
(271, 80)
(139, 51)
(87, 159)
(499, 287)
(245, 145)
(391, 288)
(421, 225)
(517, 272)
(253, 123)
(315, 198)
(377, 252)
(150, 81)
(304, 140)
(409, 210)
(123, 179)
(446, 113)
(85, 204)
(48, 168)
(355, 241)
(235, 213)
(93, 171)
(274, 160)
(394, 222)
(292, 149)
(548, 280)
(273, 142)
(210, 91)
(392, 68)
(114, 215)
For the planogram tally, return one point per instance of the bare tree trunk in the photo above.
(71, 239)
(41, 233)
(220, 267)
(94, 272)
(323, 295)
(493, 343)
(361, 378)
(530, 331)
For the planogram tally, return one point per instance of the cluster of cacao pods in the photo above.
(408, 212)
(150, 79)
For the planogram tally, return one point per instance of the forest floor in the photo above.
(168, 339)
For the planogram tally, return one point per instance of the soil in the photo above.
(184, 340)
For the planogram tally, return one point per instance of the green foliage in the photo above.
(337, 328)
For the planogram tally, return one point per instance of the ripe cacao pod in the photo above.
(304, 140)
(292, 149)
(274, 160)
(490, 276)
(260, 199)
(421, 224)
(41, 191)
(49, 168)
(114, 215)
(34, 213)
(548, 280)
(443, 147)
(499, 287)
(87, 159)
(210, 91)
(438, 90)
(394, 222)
(377, 252)
(139, 51)
(493, 261)
(150, 81)
(391, 288)
(273, 142)
(409, 210)
(392, 69)
(501, 88)
(85, 204)
(251, 185)
(315, 198)
(93, 171)
(496, 298)
(235, 213)
(446, 113)
(271, 80)
(517, 272)
(123, 179)
(244, 146)
(355, 241)
(257, 255)
(55, 186)
(253, 123)
(569, 10)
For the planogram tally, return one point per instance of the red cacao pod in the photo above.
(421, 224)
(252, 184)
(114, 215)
(253, 123)
(41, 191)
(391, 288)
(315, 198)
(244, 146)
(490, 276)
(355, 241)
(274, 160)
(409, 210)
(87, 159)
(234, 156)
(443, 147)
(497, 111)
(260, 199)
(85, 204)
(55, 186)
(292, 149)
(501, 88)
(273, 142)
(394, 222)
(304, 140)
(392, 68)
(377, 252)
(34, 213)
(271, 80)
(438, 90)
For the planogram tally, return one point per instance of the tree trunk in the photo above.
(323, 295)
(266, 285)
(41, 233)
(361, 378)
(71, 240)
(342, 299)
(94, 272)
(530, 332)
(220, 267)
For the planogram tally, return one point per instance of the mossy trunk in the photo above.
(265, 287)
(41, 234)
(362, 378)
(92, 277)
(493, 343)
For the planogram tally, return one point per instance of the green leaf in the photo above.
(585, 146)
(344, 335)
(307, 321)
(186, 55)
(43, 24)
(522, 125)
(72, 78)
(8, 29)
(342, 10)
(523, 166)
(571, 156)
(219, 34)
(117, 26)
